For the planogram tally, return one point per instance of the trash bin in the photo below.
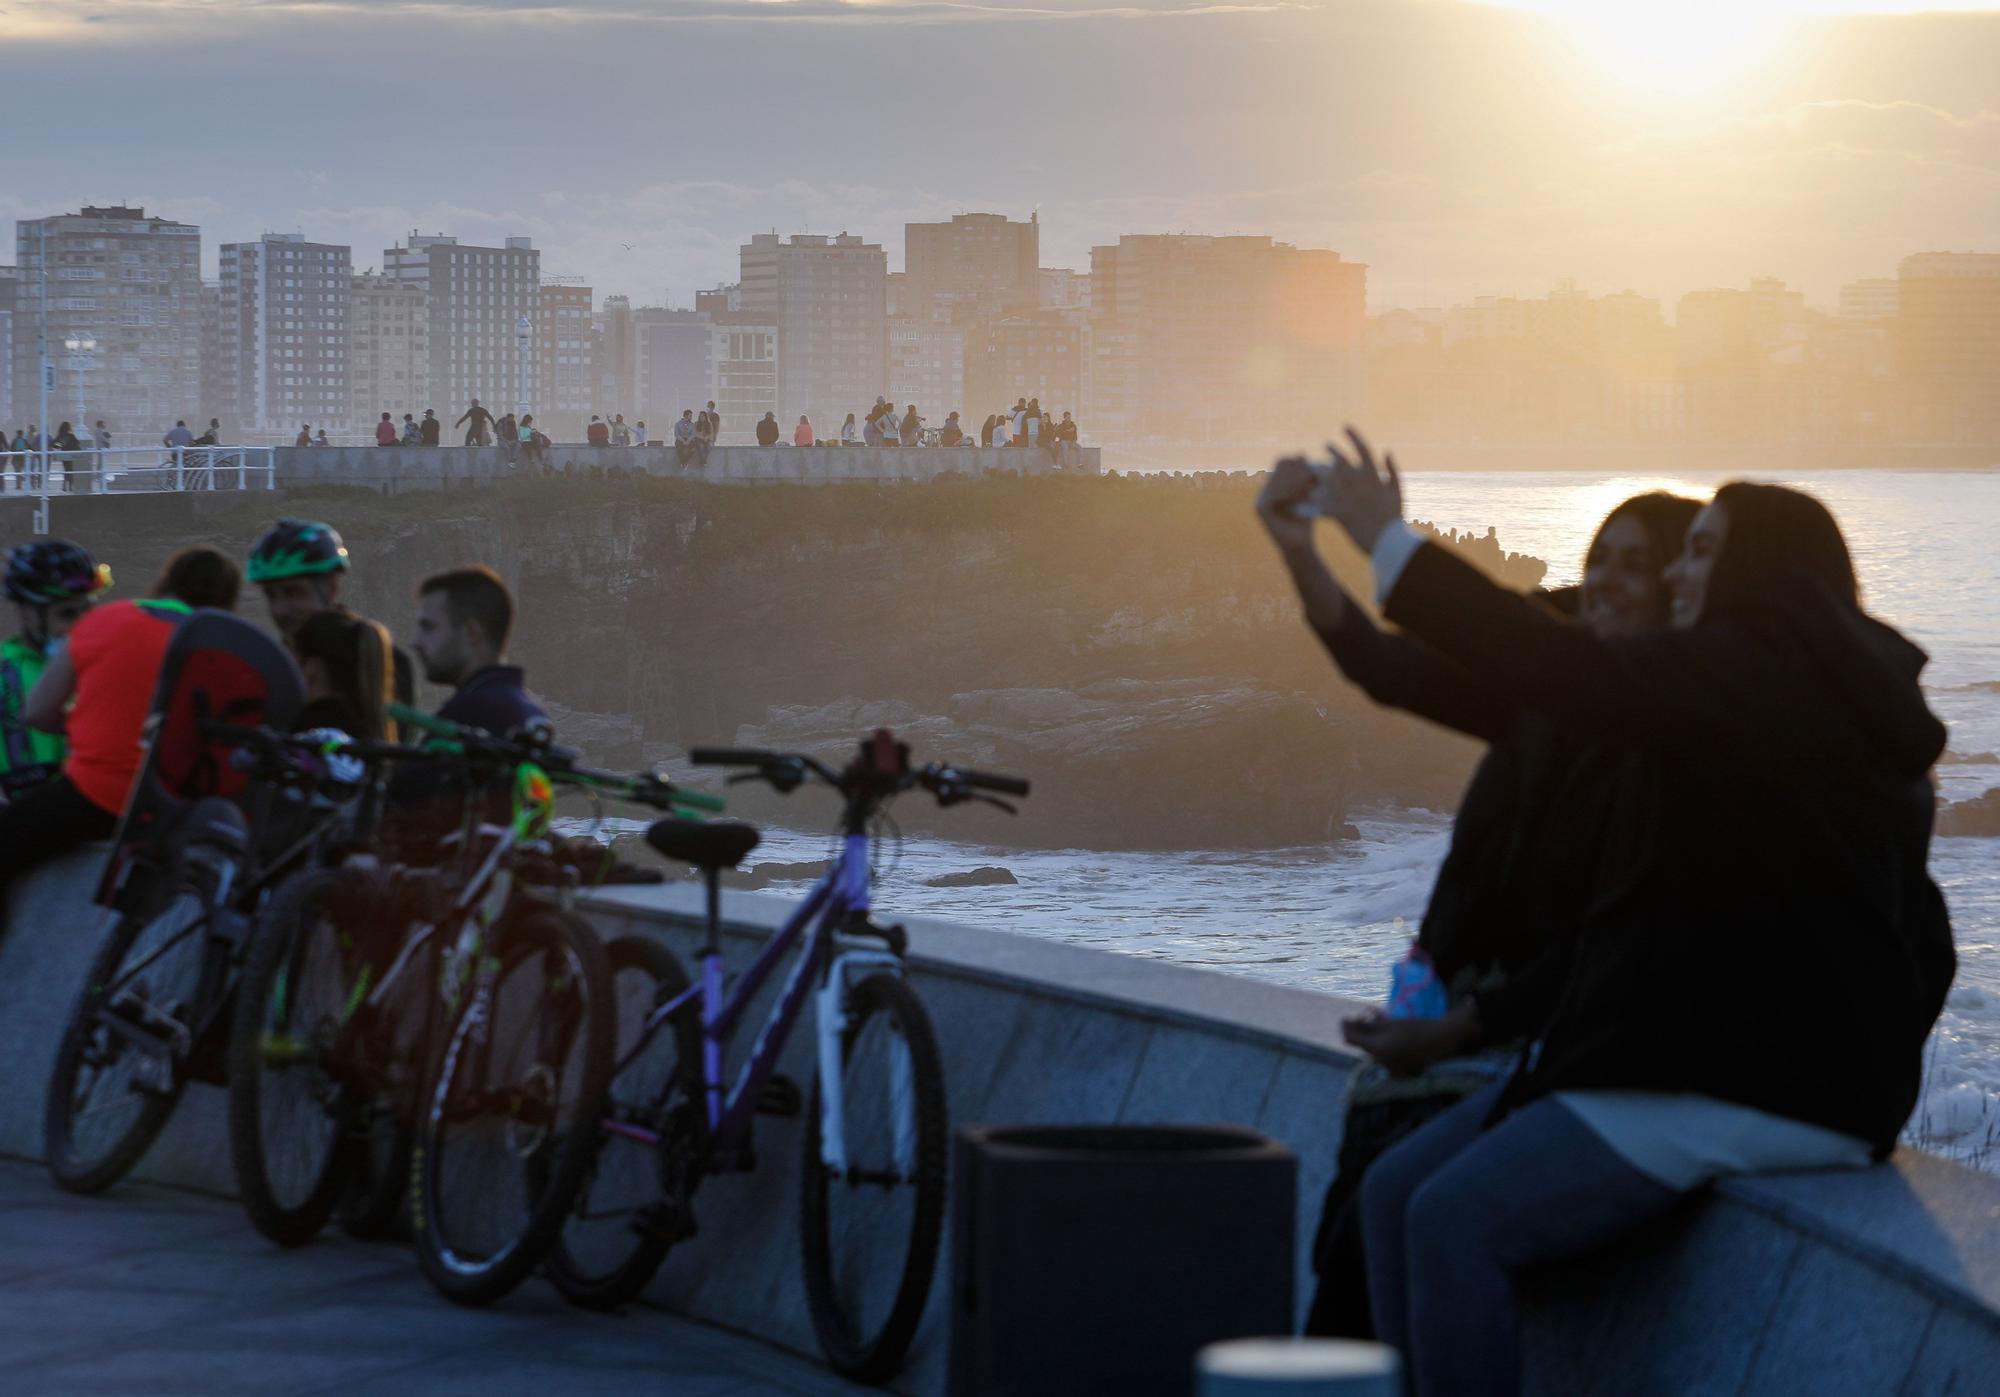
(1098, 1259)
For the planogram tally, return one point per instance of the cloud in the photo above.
(100, 19)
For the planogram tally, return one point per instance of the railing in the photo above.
(133, 470)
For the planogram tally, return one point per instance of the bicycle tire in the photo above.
(273, 1049)
(561, 965)
(585, 1263)
(863, 1348)
(375, 1206)
(187, 977)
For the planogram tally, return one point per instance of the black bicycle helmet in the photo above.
(297, 548)
(53, 570)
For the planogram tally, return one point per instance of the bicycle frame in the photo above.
(840, 894)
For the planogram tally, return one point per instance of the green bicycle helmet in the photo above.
(297, 548)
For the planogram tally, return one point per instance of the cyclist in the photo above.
(52, 584)
(109, 667)
(299, 564)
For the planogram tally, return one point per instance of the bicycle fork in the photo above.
(832, 1022)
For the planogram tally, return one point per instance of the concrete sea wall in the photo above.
(429, 468)
(1875, 1281)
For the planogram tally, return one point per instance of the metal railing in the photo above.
(132, 470)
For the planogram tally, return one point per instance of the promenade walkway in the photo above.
(156, 1290)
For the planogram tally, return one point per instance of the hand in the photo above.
(1360, 497)
(1289, 485)
(1407, 1046)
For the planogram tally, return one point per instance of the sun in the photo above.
(1680, 49)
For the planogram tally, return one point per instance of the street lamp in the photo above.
(80, 360)
(523, 330)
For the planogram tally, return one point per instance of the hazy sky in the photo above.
(1457, 148)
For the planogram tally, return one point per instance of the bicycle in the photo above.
(156, 1005)
(877, 1120)
(333, 1029)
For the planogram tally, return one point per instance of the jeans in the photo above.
(1452, 1214)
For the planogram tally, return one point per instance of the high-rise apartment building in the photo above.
(612, 335)
(566, 394)
(745, 356)
(128, 284)
(390, 350)
(282, 336)
(1038, 355)
(10, 421)
(480, 302)
(1740, 359)
(977, 266)
(926, 367)
(1947, 339)
(1871, 298)
(673, 366)
(1065, 289)
(1257, 334)
(826, 296)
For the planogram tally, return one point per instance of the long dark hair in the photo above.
(1663, 517)
(358, 658)
(1778, 539)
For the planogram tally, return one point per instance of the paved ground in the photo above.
(154, 1290)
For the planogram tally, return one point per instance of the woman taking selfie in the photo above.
(1503, 896)
(1763, 952)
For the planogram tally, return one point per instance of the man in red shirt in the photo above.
(109, 667)
(599, 432)
(386, 433)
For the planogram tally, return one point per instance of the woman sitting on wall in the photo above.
(1503, 897)
(1762, 952)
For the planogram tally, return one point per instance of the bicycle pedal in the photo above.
(780, 1097)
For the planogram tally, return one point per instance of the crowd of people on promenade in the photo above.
(1685, 927)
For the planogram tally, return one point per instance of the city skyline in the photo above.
(1461, 149)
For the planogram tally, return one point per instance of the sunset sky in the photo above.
(1457, 148)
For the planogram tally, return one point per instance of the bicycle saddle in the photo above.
(705, 844)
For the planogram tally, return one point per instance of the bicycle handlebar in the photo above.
(984, 781)
(785, 770)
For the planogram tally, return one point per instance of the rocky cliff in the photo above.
(1131, 644)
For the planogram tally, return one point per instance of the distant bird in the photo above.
(628, 246)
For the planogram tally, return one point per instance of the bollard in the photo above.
(1297, 1368)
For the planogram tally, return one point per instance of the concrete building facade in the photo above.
(1040, 355)
(826, 296)
(1257, 334)
(390, 349)
(476, 299)
(131, 284)
(566, 376)
(282, 336)
(975, 267)
(926, 367)
(1948, 345)
(674, 366)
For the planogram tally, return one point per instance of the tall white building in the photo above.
(282, 336)
(129, 284)
(826, 296)
(390, 353)
(926, 367)
(476, 299)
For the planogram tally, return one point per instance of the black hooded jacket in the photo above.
(1759, 925)
(1498, 904)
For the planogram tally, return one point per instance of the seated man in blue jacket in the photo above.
(464, 620)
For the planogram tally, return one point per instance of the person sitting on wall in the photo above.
(639, 434)
(706, 425)
(850, 435)
(52, 584)
(319, 438)
(598, 433)
(430, 429)
(412, 433)
(97, 692)
(386, 433)
(305, 436)
(684, 439)
(951, 434)
(767, 430)
(802, 435)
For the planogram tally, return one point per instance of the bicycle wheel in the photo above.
(122, 1063)
(504, 1143)
(391, 1051)
(287, 1093)
(620, 1229)
(870, 1234)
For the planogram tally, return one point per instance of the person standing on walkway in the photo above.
(305, 436)
(714, 424)
(912, 430)
(480, 418)
(621, 435)
(178, 436)
(385, 431)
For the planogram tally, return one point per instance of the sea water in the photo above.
(1333, 918)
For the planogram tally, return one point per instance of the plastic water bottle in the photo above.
(1415, 992)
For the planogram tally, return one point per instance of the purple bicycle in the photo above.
(875, 1142)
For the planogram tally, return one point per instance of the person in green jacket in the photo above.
(52, 583)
